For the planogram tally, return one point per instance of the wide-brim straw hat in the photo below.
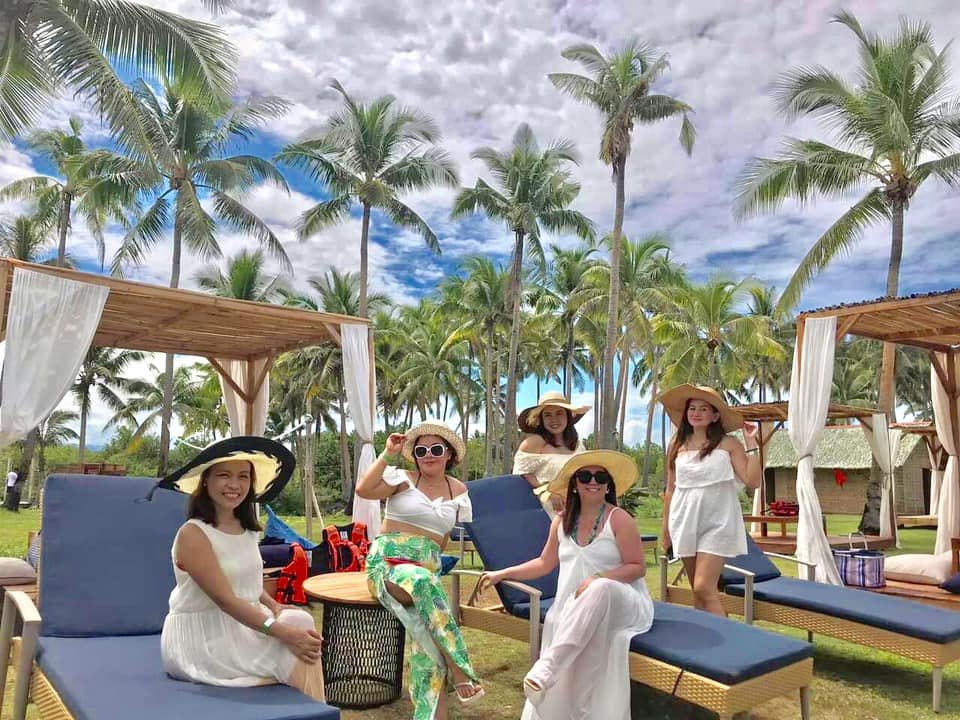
(434, 427)
(675, 400)
(622, 467)
(272, 462)
(529, 419)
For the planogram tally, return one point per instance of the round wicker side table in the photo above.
(362, 652)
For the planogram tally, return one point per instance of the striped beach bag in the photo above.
(860, 567)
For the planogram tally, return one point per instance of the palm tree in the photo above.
(895, 128)
(96, 196)
(532, 188)
(46, 44)
(53, 431)
(770, 373)
(102, 372)
(189, 139)
(26, 238)
(619, 87)
(370, 155)
(244, 279)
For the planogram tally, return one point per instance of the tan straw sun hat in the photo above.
(675, 403)
(622, 467)
(434, 427)
(529, 419)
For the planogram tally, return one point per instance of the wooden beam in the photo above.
(227, 378)
(953, 400)
(138, 334)
(801, 327)
(264, 372)
(334, 333)
(844, 325)
(879, 306)
(938, 366)
(920, 333)
(250, 398)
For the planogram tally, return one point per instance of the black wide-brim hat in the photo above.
(272, 462)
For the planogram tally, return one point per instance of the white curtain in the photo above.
(945, 414)
(885, 444)
(767, 431)
(936, 476)
(357, 379)
(810, 386)
(236, 406)
(51, 322)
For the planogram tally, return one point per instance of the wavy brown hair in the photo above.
(570, 436)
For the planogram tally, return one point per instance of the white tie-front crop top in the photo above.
(413, 507)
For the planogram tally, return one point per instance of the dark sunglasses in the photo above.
(437, 450)
(601, 477)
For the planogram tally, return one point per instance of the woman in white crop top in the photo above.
(702, 517)
(403, 565)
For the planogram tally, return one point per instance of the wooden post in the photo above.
(306, 473)
(250, 397)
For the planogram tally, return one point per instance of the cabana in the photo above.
(930, 322)
(52, 315)
(938, 462)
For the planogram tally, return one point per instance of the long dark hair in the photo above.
(201, 504)
(571, 509)
(570, 437)
(715, 435)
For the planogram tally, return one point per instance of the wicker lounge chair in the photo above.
(93, 650)
(755, 588)
(705, 660)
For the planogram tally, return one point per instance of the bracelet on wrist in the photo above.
(265, 628)
(753, 451)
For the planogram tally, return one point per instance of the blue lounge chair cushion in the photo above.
(872, 609)
(754, 561)
(722, 650)
(105, 564)
(447, 563)
(510, 538)
(117, 678)
(493, 495)
(953, 584)
(648, 538)
(457, 532)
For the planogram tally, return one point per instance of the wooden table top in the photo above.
(771, 518)
(346, 587)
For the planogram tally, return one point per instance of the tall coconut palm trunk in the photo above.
(64, 228)
(490, 401)
(510, 415)
(84, 409)
(651, 409)
(568, 365)
(608, 408)
(364, 240)
(166, 412)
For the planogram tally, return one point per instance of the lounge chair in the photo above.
(718, 664)
(755, 588)
(93, 650)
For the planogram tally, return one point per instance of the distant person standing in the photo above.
(11, 500)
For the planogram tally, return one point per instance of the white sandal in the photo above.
(479, 692)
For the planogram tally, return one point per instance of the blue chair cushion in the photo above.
(872, 609)
(723, 650)
(522, 609)
(447, 563)
(510, 538)
(953, 584)
(459, 531)
(117, 678)
(648, 538)
(105, 563)
(493, 495)
(754, 561)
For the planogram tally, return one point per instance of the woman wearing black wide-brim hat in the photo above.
(223, 629)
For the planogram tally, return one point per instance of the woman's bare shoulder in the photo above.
(532, 444)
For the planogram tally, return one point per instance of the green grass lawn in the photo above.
(851, 682)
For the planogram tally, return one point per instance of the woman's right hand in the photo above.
(395, 442)
(305, 644)
(667, 540)
(489, 579)
(557, 503)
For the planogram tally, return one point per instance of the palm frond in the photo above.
(145, 233)
(576, 86)
(432, 167)
(197, 228)
(404, 216)
(323, 215)
(244, 220)
(25, 84)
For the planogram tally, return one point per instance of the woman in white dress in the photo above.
(550, 441)
(702, 517)
(222, 628)
(601, 601)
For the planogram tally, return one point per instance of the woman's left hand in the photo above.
(751, 433)
(278, 608)
(582, 587)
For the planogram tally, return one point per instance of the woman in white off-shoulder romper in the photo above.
(702, 517)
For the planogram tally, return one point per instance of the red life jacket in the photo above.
(290, 583)
(347, 555)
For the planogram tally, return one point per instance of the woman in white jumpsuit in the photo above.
(702, 517)
(602, 599)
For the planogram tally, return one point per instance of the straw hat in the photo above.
(434, 427)
(529, 419)
(622, 467)
(272, 465)
(675, 403)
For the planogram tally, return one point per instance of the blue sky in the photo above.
(479, 68)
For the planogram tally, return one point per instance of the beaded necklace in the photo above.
(593, 532)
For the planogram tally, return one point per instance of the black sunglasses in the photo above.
(601, 477)
(436, 450)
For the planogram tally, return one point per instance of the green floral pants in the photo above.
(429, 620)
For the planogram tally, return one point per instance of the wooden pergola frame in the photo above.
(152, 318)
(930, 322)
(775, 414)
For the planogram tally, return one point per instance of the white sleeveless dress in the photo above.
(201, 643)
(586, 639)
(705, 513)
(544, 467)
